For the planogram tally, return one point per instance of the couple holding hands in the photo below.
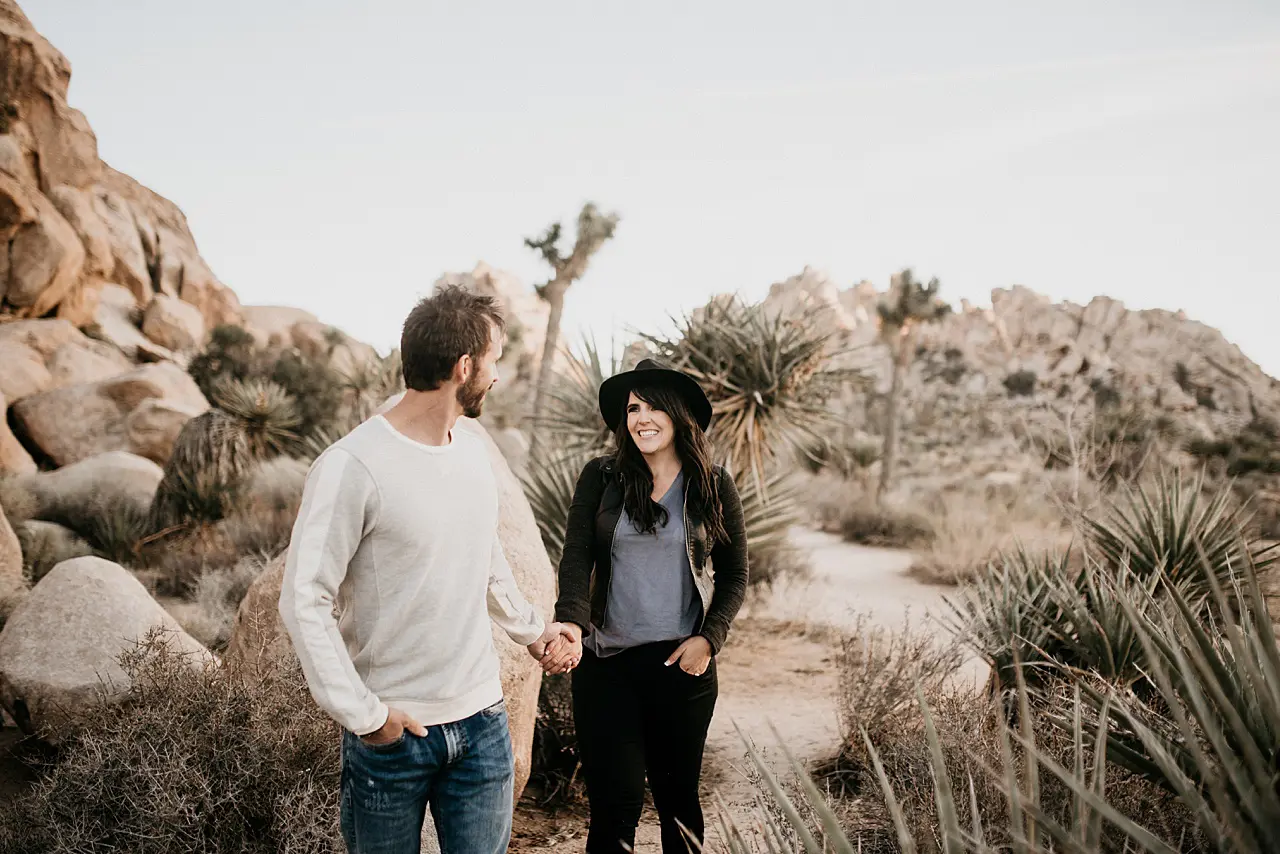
(395, 571)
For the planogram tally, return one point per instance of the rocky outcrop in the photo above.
(60, 649)
(81, 421)
(259, 637)
(69, 222)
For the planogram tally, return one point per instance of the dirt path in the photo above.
(779, 668)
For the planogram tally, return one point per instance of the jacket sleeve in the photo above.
(339, 504)
(578, 558)
(730, 563)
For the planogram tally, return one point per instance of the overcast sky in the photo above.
(340, 156)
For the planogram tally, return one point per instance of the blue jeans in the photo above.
(463, 770)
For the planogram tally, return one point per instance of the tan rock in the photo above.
(272, 325)
(37, 77)
(14, 162)
(45, 261)
(115, 318)
(259, 638)
(129, 264)
(42, 354)
(76, 207)
(153, 428)
(81, 421)
(216, 301)
(24, 371)
(85, 361)
(60, 650)
(43, 336)
(77, 493)
(14, 459)
(173, 324)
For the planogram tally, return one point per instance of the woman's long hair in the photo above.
(694, 450)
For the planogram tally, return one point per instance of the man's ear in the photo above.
(463, 368)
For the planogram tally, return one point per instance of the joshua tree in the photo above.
(594, 228)
(907, 305)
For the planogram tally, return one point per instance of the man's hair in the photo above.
(442, 328)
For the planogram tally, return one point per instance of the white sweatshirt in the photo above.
(403, 538)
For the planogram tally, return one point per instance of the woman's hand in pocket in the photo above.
(693, 656)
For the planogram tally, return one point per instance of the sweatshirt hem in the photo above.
(435, 713)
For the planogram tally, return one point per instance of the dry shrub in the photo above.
(16, 501)
(179, 561)
(886, 526)
(973, 525)
(216, 599)
(45, 545)
(879, 673)
(193, 759)
(848, 508)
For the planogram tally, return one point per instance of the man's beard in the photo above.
(471, 397)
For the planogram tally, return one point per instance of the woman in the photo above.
(646, 526)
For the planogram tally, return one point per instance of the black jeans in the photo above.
(635, 717)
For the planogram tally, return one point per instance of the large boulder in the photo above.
(117, 319)
(173, 324)
(60, 650)
(259, 638)
(81, 421)
(14, 459)
(39, 355)
(77, 493)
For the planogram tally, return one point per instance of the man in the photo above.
(398, 528)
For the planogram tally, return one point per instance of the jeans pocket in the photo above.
(389, 747)
(495, 710)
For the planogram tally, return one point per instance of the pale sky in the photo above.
(340, 156)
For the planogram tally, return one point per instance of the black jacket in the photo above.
(586, 565)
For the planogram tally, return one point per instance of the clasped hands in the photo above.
(561, 651)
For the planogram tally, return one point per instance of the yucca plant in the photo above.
(1218, 744)
(371, 382)
(267, 414)
(203, 476)
(548, 485)
(1170, 530)
(572, 411)
(768, 377)
(1009, 614)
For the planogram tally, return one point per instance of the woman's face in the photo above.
(651, 429)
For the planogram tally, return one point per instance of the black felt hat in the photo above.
(615, 391)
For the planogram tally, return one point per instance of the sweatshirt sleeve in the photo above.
(507, 606)
(339, 505)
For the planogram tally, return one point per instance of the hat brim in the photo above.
(615, 391)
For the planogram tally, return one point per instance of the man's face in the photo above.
(484, 376)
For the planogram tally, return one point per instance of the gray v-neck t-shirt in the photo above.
(651, 594)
